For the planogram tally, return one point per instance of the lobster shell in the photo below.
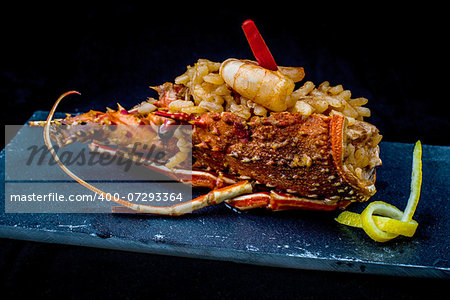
(285, 151)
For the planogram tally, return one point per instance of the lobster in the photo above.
(281, 159)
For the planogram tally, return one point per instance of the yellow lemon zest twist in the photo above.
(390, 222)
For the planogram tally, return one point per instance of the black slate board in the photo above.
(296, 239)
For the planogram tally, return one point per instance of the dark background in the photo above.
(394, 56)
(112, 53)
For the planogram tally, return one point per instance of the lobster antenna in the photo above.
(50, 148)
(213, 197)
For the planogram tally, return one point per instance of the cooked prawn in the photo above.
(270, 89)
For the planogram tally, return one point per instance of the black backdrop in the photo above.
(112, 53)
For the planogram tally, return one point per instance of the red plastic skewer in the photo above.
(258, 46)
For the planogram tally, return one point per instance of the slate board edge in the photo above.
(211, 253)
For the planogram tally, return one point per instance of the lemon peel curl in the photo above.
(391, 221)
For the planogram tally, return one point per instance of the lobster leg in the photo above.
(277, 201)
(273, 200)
(196, 178)
(212, 198)
(250, 201)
